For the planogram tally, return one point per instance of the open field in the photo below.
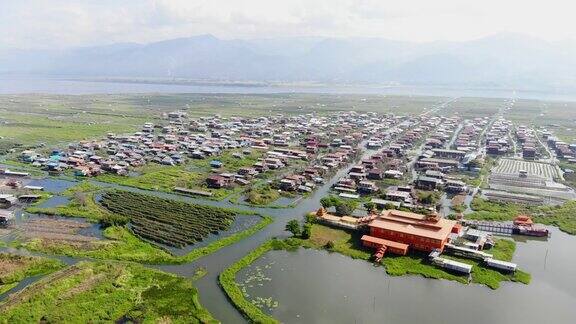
(61, 229)
(555, 116)
(106, 292)
(34, 119)
(165, 178)
(475, 107)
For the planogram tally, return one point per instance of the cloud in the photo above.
(64, 23)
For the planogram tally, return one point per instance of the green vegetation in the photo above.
(82, 204)
(227, 280)
(429, 197)
(293, 226)
(107, 292)
(173, 223)
(563, 216)
(7, 145)
(34, 127)
(481, 180)
(15, 268)
(262, 195)
(199, 273)
(343, 206)
(336, 240)
(121, 244)
(155, 177)
(493, 211)
(569, 177)
(458, 208)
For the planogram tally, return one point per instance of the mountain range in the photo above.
(498, 60)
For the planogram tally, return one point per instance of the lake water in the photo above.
(52, 185)
(55, 201)
(20, 85)
(313, 286)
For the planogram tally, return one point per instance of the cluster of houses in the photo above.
(526, 137)
(316, 172)
(390, 161)
(444, 160)
(14, 189)
(497, 137)
(438, 154)
(326, 142)
(443, 134)
(563, 150)
(436, 180)
(468, 137)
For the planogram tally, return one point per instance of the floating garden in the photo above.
(98, 292)
(169, 222)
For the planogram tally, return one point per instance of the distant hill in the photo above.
(499, 60)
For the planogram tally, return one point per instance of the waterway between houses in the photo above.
(318, 287)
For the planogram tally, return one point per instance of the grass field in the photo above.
(15, 268)
(157, 177)
(51, 119)
(262, 195)
(563, 216)
(95, 292)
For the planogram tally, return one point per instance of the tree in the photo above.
(370, 205)
(428, 197)
(306, 231)
(310, 218)
(330, 201)
(346, 207)
(293, 227)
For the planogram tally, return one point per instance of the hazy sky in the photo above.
(64, 23)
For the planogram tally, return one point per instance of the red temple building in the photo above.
(396, 231)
